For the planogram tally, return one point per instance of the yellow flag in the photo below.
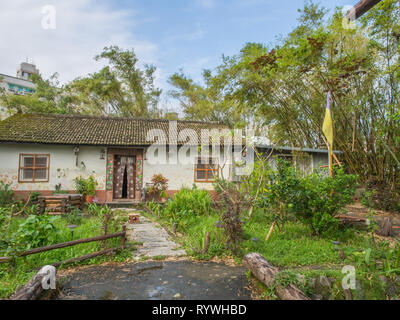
(327, 127)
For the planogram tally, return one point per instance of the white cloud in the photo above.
(83, 29)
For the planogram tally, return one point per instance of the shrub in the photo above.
(6, 194)
(32, 209)
(231, 203)
(322, 197)
(74, 216)
(110, 221)
(86, 187)
(189, 202)
(281, 192)
(34, 197)
(37, 231)
(159, 185)
(381, 196)
(366, 198)
(4, 213)
(315, 199)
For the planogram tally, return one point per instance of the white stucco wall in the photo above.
(182, 173)
(63, 168)
(62, 165)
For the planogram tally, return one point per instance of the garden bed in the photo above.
(23, 230)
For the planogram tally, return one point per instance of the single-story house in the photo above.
(39, 152)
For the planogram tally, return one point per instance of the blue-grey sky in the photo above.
(176, 34)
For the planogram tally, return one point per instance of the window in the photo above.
(34, 168)
(206, 170)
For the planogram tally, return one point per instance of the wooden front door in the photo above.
(124, 183)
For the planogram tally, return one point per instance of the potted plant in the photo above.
(158, 188)
(86, 187)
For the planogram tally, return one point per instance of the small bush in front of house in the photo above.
(6, 194)
(231, 205)
(281, 192)
(159, 186)
(189, 202)
(37, 231)
(74, 216)
(5, 219)
(111, 222)
(314, 199)
(86, 187)
(322, 197)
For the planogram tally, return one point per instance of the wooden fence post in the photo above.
(81, 206)
(42, 205)
(123, 237)
(206, 243)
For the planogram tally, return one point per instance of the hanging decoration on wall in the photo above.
(139, 176)
(109, 178)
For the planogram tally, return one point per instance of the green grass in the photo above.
(294, 248)
(25, 267)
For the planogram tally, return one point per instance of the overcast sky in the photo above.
(172, 34)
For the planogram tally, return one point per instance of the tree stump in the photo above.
(266, 273)
(386, 228)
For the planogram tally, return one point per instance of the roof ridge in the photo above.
(81, 116)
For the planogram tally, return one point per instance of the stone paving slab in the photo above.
(156, 241)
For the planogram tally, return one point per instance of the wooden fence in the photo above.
(121, 235)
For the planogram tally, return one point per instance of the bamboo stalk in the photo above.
(270, 231)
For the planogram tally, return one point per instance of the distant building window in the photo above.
(34, 168)
(206, 170)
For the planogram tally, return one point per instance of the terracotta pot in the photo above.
(89, 199)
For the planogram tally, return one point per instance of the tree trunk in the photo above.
(33, 289)
(266, 273)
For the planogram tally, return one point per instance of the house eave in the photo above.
(310, 150)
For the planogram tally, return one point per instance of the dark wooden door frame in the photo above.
(111, 155)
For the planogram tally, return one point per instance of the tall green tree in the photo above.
(205, 102)
(47, 98)
(120, 88)
(283, 88)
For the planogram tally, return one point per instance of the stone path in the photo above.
(156, 241)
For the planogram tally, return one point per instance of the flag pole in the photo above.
(330, 159)
(327, 129)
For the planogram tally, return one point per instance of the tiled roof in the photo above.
(89, 130)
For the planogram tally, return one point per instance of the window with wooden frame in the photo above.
(34, 167)
(206, 170)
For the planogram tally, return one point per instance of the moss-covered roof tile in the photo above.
(90, 130)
